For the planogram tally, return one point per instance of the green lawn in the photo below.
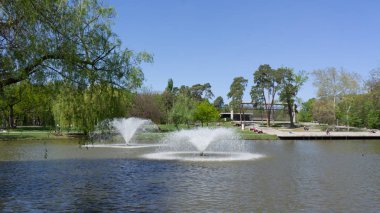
(246, 135)
(35, 133)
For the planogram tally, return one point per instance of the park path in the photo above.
(305, 134)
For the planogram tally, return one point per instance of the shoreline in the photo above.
(289, 134)
(268, 134)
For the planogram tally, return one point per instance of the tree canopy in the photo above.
(333, 85)
(218, 102)
(64, 40)
(236, 91)
(267, 84)
(291, 84)
(205, 113)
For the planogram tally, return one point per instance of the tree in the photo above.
(373, 118)
(43, 40)
(219, 103)
(205, 113)
(35, 105)
(82, 108)
(333, 85)
(323, 111)
(201, 92)
(291, 84)
(236, 92)
(306, 112)
(168, 96)
(267, 84)
(11, 96)
(148, 105)
(181, 111)
(373, 87)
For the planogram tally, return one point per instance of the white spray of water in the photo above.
(222, 139)
(203, 144)
(127, 127)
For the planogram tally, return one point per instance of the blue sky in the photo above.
(213, 41)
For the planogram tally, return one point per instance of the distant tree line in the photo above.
(343, 99)
(61, 64)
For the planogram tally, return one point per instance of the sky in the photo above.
(214, 41)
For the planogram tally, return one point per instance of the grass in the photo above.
(30, 135)
(254, 136)
(41, 133)
(33, 133)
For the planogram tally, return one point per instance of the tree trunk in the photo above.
(11, 117)
(268, 116)
(334, 110)
(240, 116)
(290, 112)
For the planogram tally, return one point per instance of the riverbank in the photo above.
(301, 134)
(268, 134)
(51, 135)
(36, 135)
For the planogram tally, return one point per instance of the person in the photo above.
(327, 132)
(306, 128)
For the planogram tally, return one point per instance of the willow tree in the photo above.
(75, 108)
(64, 40)
(69, 41)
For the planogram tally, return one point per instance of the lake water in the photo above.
(294, 176)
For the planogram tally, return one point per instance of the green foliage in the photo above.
(306, 112)
(334, 84)
(181, 111)
(267, 83)
(201, 92)
(78, 109)
(373, 118)
(323, 111)
(64, 40)
(168, 97)
(291, 84)
(67, 50)
(236, 92)
(205, 113)
(26, 104)
(358, 111)
(219, 103)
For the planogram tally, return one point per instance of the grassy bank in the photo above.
(246, 135)
(35, 133)
(39, 133)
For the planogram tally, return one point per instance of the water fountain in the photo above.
(128, 127)
(200, 144)
(203, 144)
(108, 132)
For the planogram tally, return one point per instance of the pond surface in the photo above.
(294, 176)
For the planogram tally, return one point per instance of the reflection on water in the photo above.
(295, 176)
